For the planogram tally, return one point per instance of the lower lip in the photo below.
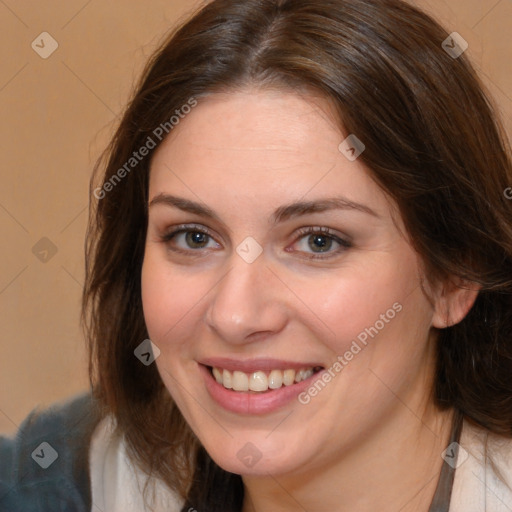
(253, 403)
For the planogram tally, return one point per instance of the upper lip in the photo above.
(256, 364)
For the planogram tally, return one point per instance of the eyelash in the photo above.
(302, 232)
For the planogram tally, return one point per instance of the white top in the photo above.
(117, 484)
(477, 487)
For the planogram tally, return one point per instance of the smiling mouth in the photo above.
(261, 381)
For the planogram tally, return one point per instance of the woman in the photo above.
(298, 289)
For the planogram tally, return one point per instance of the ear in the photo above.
(455, 299)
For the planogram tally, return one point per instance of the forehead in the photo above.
(257, 121)
(266, 144)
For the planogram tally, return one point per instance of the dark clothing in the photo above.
(40, 477)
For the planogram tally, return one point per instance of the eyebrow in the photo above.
(281, 214)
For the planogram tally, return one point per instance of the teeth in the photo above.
(218, 375)
(307, 373)
(240, 381)
(227, 381)
(289, 377)
(260, 381)
(275, 379)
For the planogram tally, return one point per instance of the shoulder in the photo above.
(483, 476)
(118, 484)
(46, 465)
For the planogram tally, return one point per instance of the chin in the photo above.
(255, 457)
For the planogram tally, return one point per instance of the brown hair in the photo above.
(433, 142)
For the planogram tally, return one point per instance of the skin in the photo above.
(371, 439)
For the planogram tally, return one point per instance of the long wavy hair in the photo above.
(434, 143)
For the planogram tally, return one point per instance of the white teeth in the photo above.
(307, 373)
(260, 381)
(226, 379)
(240, 381)
(289, 377)
(275, 379)
(218, 375)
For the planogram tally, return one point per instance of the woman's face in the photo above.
(287, 266)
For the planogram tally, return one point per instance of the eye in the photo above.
(317, 241)
(188, 239)
(320, 240)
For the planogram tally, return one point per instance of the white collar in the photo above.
(117, 484)
(477, 487)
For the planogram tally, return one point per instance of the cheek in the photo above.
(351, 304)
(169, 299)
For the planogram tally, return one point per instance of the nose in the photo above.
(247, 304)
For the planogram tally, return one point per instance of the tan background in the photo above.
(56, 116)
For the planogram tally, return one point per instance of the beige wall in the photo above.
(56, 115)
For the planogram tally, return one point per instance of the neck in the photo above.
(397, 467)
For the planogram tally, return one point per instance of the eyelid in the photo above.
(171, 232)
(323, 230)
(344, 241)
